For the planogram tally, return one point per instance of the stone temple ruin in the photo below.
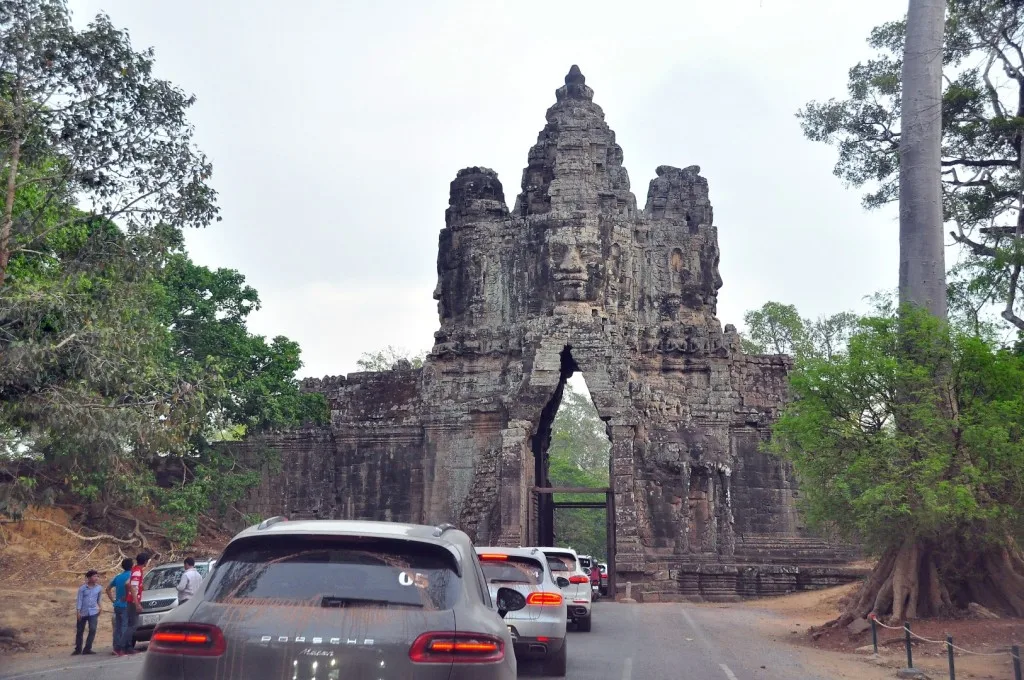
(574, 277)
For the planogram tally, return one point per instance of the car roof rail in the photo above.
(441, 528)
(270, 521)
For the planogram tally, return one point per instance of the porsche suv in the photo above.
(538, 630)
(332, 599)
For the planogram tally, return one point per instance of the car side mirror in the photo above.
(509, 601)
(562, 581)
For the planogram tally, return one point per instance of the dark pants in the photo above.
(80, 628)
(120, 625)
(131, 623)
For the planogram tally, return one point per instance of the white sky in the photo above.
(335, 128)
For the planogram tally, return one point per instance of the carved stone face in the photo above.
(575, 263)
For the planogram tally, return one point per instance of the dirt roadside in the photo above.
(41, 568)
(790, 620)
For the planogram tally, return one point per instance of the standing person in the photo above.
(134, 600)
(87, 611)
(189, 583)
(117, 593)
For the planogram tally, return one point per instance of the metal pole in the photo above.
(906, 635)
(874, 634)
(1016, 662)
(949, 651)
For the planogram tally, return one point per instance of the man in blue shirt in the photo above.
(87, 610)
(117, 592)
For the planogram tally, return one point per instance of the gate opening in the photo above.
(572, 504)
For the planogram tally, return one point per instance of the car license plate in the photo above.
(149, 619)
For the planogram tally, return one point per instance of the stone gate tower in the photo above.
(574, 277)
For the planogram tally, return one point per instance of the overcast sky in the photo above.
(335, 127)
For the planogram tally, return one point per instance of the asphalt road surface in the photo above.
(641, 642)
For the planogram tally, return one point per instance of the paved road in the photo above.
(628, 642)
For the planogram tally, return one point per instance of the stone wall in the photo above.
(575, 277)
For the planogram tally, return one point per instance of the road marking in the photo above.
(728, 673)
(627, 669)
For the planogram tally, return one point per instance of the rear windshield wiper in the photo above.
(508, 580)
(330, 601)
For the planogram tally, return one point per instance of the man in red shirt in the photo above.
(134, 599)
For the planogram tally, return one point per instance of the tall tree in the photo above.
(982, 157)
(941, 512)
(84, 122)
(922, 277)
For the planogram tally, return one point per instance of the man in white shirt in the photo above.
(188, 586)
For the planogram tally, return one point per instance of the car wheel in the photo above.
(583, 625)
(556, 665)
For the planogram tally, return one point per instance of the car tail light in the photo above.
(544, 599)
(451, 647)
(188, 639)
(579, 579)
(493, 557)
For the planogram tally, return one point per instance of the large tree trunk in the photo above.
(917, 580)
(922, 279)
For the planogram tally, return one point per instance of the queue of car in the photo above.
(332, 599)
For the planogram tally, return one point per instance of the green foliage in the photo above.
(578, 456)
(118, 354)
(777, 328)
(982, 154)
(940, 480)
(389, 359)
(84, 112)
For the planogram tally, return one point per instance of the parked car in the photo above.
(160, 594)
(604, 578)
(564, 563)
(538, 630)
(333, 598)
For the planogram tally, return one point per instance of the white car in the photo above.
(565, 565)
(538, 630)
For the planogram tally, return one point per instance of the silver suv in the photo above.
(538, 630)
(332, 599)
(160, 593)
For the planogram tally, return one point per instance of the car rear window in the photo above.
(513, 570)
(561, 562)
(327, 571)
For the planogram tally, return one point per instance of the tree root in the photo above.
(918, 579)
(99, 537)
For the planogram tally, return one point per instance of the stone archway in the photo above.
(699, 510)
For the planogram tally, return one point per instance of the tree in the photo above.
(83, 120)
(778, 328)
(940, 511)
(981, 153)
(922, 273)
(389, 359)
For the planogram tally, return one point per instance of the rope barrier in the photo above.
(940, 642)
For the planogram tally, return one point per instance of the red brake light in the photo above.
(493, 557)
(579, 579)
(450, 647)
(187, 639)
(544, 599)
